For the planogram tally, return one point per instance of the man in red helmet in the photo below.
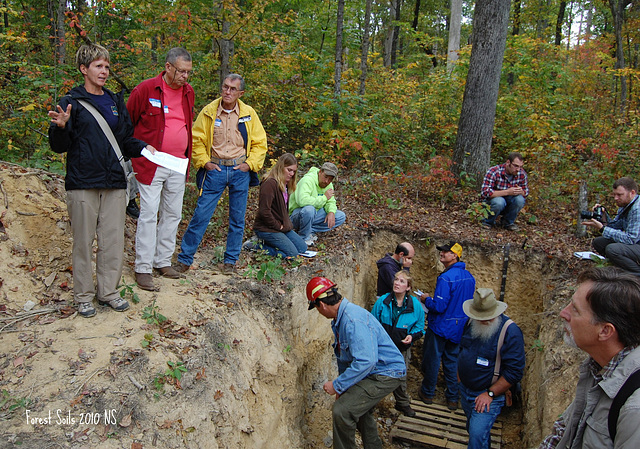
(370, 366)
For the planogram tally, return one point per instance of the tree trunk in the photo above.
(338, 65)
(454, 34)
(617, 11)
(226, 50)
(475, 127)
(5, 16)
(560, 22)
(416, 16)
(365, 47)
(542, 22)
(396, 35)
(581, 230)
(394, 5)
(517, 5)
(56, 10)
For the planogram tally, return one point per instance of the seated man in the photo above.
(620, 241)
(313, 205)
(505, 188)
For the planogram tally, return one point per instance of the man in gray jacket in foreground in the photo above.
(603, 319)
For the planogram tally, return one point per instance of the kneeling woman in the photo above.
(402, 317)
(272, 224)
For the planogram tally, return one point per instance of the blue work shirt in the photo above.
(362, 347)
(625, 228)
(477, 357)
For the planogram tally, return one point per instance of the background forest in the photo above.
(567, 99)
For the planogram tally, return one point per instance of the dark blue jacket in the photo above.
(387, 269)
(453, 287)
(477, 358)
(91, 161)
(410, 320)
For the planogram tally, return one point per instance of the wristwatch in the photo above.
(491, 394)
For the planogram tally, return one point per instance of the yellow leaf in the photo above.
(29, 107)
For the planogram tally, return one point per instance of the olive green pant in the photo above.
(354, 409)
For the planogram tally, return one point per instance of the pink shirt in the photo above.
(176, 136)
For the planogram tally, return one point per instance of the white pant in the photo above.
(156, 239)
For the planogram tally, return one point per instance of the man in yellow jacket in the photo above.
(229, 147)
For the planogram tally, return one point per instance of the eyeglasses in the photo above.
(182, 72)
(231, 89)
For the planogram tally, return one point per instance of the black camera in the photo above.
(597, 214)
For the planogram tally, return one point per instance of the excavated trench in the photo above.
(532, 284)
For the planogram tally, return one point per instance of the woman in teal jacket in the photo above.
(402, 317)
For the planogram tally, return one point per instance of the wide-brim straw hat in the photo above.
(484, 305)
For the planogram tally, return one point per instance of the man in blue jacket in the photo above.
(370, 365)
(446, 322)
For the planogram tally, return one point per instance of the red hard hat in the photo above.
(316, 287)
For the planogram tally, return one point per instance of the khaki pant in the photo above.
(354, 409)
(97, 213)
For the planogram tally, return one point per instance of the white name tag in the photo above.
(482, 361)
(244, 119)
(218, 122)
(155, 102)
(166, 109)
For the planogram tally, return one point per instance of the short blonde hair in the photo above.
(406, 275)
(86, 54)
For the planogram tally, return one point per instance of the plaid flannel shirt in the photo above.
(497, 179)
(598, 374)
(625, 228)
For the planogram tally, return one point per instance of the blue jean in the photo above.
(479, 424)
(508, 206)
(286, 244)
(213, 186)
(434, 349)
(307, 220)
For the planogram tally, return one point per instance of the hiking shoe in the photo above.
(311, 240)
(512, 227)
(406, 410)
(486, 225)
(452, 405)
(86, 309)
(168, 272)
(132, 209)
(117, 304)
(251, 244)
(181, 267)
(424, 398)
(145, 282)
(228, 268)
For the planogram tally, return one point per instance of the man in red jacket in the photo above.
(161, 109)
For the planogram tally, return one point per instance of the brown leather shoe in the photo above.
(181, 267)
(426, 399)
(451, 405)
(406, 410)
(145, 282)
(228, 268)
(168, 272)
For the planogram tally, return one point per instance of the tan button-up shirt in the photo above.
(227, 140)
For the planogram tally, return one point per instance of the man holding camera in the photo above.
(620, 240)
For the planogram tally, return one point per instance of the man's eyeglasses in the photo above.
(182, 72)
(231, 89)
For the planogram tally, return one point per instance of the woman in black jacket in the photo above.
(96, 183)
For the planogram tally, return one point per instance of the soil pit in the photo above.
(238, 363)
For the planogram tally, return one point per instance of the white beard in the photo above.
(485, 331)
(568, 337)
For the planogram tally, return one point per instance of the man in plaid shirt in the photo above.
(620, 241)
(505, 188)
(602, 319)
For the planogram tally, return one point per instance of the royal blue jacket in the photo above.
(362, 347)
(453, 287)
(409, 322)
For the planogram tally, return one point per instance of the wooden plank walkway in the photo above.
(435, 426)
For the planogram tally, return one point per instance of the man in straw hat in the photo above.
(484, 377)
(446, 322)
(603, 319)
(370, 365)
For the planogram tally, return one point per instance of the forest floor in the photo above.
(225, 368)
